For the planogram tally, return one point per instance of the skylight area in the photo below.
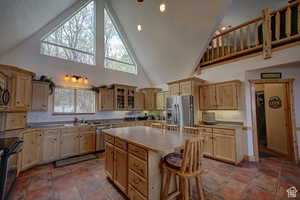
(74, 40)
(116, 54)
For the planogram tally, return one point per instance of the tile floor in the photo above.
(87, 181)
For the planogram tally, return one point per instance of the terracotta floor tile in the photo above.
(268, 179)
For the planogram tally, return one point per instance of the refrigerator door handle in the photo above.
(177, 114)
(175, 120)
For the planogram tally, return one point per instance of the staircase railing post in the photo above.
(267, 34)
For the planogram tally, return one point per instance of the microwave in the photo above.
(4, 92)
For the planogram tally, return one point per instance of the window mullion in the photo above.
(75, 100)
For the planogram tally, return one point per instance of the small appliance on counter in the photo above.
(209, 118)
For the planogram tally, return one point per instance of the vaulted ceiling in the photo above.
(22, 18)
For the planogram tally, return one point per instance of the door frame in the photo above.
(291, 115)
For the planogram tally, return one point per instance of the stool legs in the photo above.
(200, 189)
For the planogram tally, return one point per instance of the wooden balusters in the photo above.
(241, 40)
(234, 42)
(267, 33)
(288, 22)
(218, 47)
(256, 34)
(248, 38)
(223, 47)
(277, 31)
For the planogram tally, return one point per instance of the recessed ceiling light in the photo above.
(139, 27)
(162, 7)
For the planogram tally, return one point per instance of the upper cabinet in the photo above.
(150, 97)
(105, 99)
(220, 96)
(19, 85)
(40, 96)
(124, 97)
(161, 100)
(139, 98)
(174, 89)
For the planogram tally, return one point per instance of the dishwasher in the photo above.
(100, 137)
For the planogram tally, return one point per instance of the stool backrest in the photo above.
(191, 130)
(193, 154)
(172, 127)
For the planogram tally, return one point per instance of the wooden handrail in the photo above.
(285, 7)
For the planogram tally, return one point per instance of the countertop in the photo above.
(223, 126)
(153, 139)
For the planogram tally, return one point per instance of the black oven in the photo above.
(9, 147)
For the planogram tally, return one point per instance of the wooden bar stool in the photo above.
(184, 166)
(157, 125)
(191, 130)
(172, 127)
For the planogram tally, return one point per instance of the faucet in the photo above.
(75, 120)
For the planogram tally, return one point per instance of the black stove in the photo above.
(9, 147)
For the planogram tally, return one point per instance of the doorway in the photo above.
(273, 121)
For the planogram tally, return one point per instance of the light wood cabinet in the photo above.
(134, 195)
(174, 89)
(227, 95)
(227, 145)
(22, 92)
(12, 121)
(124, 97)
(139, 98)
(31, 148)
(220, 96)
(109, 160)
(161, 100)
(208, 97)
(106, 99)
(87, 142)
(69, 143)
(120, 169)
(50, 145)
(40, 96)
(150, 97)
(186, 88)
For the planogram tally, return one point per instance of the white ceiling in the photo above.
(170, 44)
(22, 18)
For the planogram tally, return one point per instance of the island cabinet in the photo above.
(40, 96)
(224, 144)
(220, 96)
(105, 99)
(150, 97)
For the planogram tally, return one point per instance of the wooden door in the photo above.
(87, 142)
(208, 97)
(109, 160)
(22, 91)
(174, 89)
(31, 149)
(121, 169)
(40, 94)
(208, 145)
(186, 88)
(276, 117)
(50, 145)
(69, 144)
(150, 100)
(106, 99)
(139, 98)
(224, 147)
(160, 101)
(227, 96)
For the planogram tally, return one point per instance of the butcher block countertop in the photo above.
(152, 139)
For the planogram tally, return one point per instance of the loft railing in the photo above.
(258, 36)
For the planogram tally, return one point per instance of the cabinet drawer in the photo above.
(69, 130)
(138, 151)
(109, 138)
(223, 131)
(206, 129)
(51, 131)
(139, 166)
(134, 195)
(87, 128)
(138, 183)
(121, 143)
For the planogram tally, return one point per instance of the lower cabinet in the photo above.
(120, 166)
(69, 144)
(31, 148)
(50, 145)
(224, 144)
(87, 142)
(109, 160)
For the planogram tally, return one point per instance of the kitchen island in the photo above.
(133, 156)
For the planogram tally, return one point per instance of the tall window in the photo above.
(73, 101)
(116, 54)
(75, 39)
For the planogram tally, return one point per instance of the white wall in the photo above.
(27, 55)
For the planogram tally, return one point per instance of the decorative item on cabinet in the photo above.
(4, 93)
(48, 80)
(220, 96)
(150, 97)
(40, 96)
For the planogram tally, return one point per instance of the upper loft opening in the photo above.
(272, 31)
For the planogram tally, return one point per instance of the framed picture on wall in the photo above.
(273, 75)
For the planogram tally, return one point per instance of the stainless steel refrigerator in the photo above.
(180, 110)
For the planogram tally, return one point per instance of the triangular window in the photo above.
(116, 53)
(74, 40)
